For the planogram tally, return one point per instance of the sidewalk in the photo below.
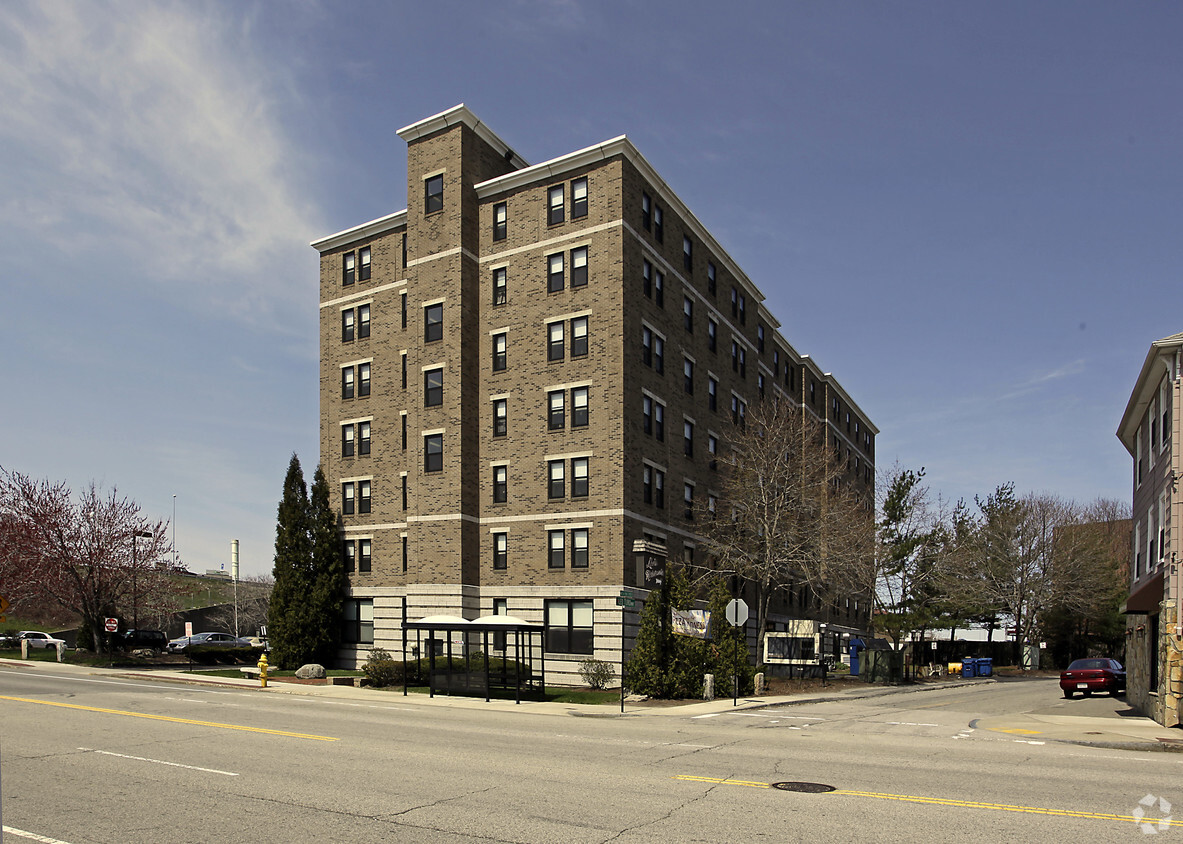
(1124, 733)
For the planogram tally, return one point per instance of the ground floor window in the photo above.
(569, 627)
(358, 622)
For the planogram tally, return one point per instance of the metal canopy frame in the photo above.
(527, 639)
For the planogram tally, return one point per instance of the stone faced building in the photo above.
(527, 371)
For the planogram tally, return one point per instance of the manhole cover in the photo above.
(807, 787)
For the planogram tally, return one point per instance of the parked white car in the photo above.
(37, 639)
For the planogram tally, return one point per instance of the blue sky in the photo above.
(969, 213)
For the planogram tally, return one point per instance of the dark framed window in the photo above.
(403, 417)
(347, 325)
(579, 548)
(579, 198)
(712, 286)
(760, 339)
(743, 303)
(743, 362)
(357, 621)
(760, 384)
(579, 267)
(500, 286)
(734, 302)
(403, 359)
(579, 415)
(433, 453)
(499, 344)
(579, 337)
(579, 477)
(403, 477)
(406, 556)
(556, 479)
(688, 375)
(433, 194)
(687, 254)
(647, 414)
(347, 382)
(688, 314)
(713, 451)
(569, 627)
(500, 221)
(712, 335)
(556, 417)
(363, 379)
(363, 260)
(647, 480)
(433, 322)
(403, 308)
(500, 484)
(363, 321)
(364, 554)
(348, 491)
(688, 438)
(658, 353)
(500, 551)
(347, 432)
(500, 417)
(646, 211)
(363, 438)
(433, 387)
(363, 496)
(659, 288)
(349, 554)
(688, 502)
(658, 228)
(659, 488)
(659, 421)
(556, 548)
(647, 278)
(713, 393)
(554, 273)
(554, 341)
(554, 205)
(348, 268)
(646, 346)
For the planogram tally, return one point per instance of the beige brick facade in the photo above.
(426, 264)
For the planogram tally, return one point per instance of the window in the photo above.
(500, 552)
(433, 199)
(569, 628)
(579, 267)
(556, 547)
(713, 451)
(687, 254)
(688, 501)
(403, 417)
(659, 288)
(579, 477)
(760, 339)
(357, 626)
(433, 322)
(711, 285)
(738, 410)
(347, 317)
(646, 346)
(363, 257)
(647, 414)
(363, 496)
(347, 382)
(346, 440)
(349, 554)
(760, 384)
(647, 278)
(554, 341)
(712, 335)
(500, 221)
(554, 201)
(433, 387)
(557, 412)
(556, 480)
(363, 554)
(500, 484)
(734, 356)
(659, 488)
(579, 337)
(712, 506)
(579, 407)
(404, 250)
(403, 305)
(500, 417)
(347, 496)
(579, 543)
(646, 211)
(658, 230)
(648, 484)
(554, 273)
(405, 556)
(734, 302)
(500, 286)
(498, 352)
(433, 453)
(688, 438)
(659, 353)
(743, 301)
(348, 268)
(688, 314)
(363, 438)
(363, 321)
(743, 362)
(403, 477)
(363, 379)
(659, 421)
(713, 392)
(688, 375)
(579, 198)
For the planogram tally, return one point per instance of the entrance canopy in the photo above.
(473, 656)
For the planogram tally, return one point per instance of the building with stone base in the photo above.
(526, 373)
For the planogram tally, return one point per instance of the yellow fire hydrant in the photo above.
(263, 671)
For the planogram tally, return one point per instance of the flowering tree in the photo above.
(94, 555)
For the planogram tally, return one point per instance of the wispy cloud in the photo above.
(1038, 380)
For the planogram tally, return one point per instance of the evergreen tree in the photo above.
(328, 572)
(288, 615)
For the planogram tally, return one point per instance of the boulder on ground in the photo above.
(311, 671)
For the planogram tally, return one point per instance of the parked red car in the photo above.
(1093, 675)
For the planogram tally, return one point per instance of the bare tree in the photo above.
(250, 611)
(789, 515)
(96, 556)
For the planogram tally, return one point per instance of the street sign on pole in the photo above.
(625, 601)
(737, 612)
(110, 624)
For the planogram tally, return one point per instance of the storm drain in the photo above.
(804, 787)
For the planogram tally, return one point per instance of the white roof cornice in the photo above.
(457, 115)
(366, 230)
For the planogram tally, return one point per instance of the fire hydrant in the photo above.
(263, 671)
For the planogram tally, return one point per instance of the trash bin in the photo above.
(968, 667)
(986, 667)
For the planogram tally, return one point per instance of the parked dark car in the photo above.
(1093, 675)
(208, 640)
(131, 640)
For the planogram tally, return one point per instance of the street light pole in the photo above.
(135, 605)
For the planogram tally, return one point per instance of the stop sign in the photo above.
(111, 624)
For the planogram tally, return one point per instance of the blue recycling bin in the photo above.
(968, 667)
(985, 667)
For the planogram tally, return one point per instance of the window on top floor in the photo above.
(658, 227)
(579, 198)
(363, 271)
(687, 254)
(348, 268)
(500, 221)
(554, 205)
(433, 194)
(711, 283)
(646, 211)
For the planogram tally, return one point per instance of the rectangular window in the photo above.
(688, 375)
(579, 198)
(402, 297)
(760, 383)
(347, 382)
(579, 267)
(556, 413)
(743, 301)
(688, 502)
(363, 438)
(648, 484)
(554, 273)
(349, 554)
(433, 387)
(357, 627)
(500, 286)
(658, 217)
(403, 417)
(579, 477)
(404, 250)
(712, 335)
(404, 485)
(500, 551)
(659, 288)
(579, 337)
(687, 254)
(659, 421)
(579, 407)
(498, 352)
(363, 496)
(556, 480)
(713, 393)
(347, 316)
(554, 341)
(348, 268)
(646, 211)
(364, 554)
(734, 302)
(579, 543)
(433, 194)
(659, 488)
(554, 202)
(405, 556)
(433, 453)
(760, 339)
(363, 321)
(647, 414)
(688, 438)
(658, 354)
(646, 347)
(711, 285)
(569, 627)
(346, 440)
(556, 549)
(363, 379)
(500, 417)
(688, 314)
(500, 221)
(433, 322)
(347, 494)
(713, 451)
(500, 484)
(647, 278)
(363, 270)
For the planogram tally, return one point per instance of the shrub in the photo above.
(595, 672)
(380, 669)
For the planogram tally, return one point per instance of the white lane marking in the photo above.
(699, 746)
(159, 762)
(909, 724)
(1025, 741)
(32, 836)
(708, 715)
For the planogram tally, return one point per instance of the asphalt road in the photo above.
(111, 760)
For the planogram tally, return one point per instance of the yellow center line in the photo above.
(965, 804)
(169, 718)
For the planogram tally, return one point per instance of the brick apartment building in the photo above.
(527, 371)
